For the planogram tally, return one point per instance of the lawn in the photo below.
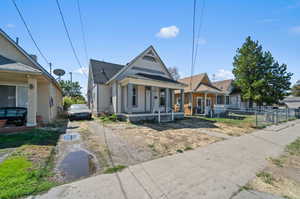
(235, 120)
(27, 170)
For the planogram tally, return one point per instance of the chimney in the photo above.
(34, 57)
(17, 40)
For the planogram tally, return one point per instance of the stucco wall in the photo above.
(43, 94)
(11, 52)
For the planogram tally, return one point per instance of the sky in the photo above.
(117, 31)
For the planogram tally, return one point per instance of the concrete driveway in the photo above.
(216, 171)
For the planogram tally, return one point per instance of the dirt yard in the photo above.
(174, 137)
(282, 176)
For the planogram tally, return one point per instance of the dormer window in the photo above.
(149, 58)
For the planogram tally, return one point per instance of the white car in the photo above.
(79, 112)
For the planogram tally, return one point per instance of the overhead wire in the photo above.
(193, 42)
(69, 38)
(199, 32)
(82, 31)
(29, 32)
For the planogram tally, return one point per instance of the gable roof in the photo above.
(127, 66)
(192, 81)
(198, 83)
(103, 71)
(34, 62)
(224, 85)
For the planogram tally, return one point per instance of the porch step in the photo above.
(165, 118)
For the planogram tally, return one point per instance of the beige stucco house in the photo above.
(142, 89)
(25, 83)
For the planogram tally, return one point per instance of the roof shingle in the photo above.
(103, 71)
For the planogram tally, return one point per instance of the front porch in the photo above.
(144, 99)
(25, 89)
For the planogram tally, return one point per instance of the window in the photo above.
(134, 95)
(219, 100)
(162, 97)
(227, 99)
(8, 96)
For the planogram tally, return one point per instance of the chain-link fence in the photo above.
(259, 117)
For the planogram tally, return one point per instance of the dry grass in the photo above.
(162, 139)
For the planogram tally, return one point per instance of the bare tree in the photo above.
(174, 72)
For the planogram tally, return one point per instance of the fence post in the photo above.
(256, 122)
(276, 116)
(286, 115)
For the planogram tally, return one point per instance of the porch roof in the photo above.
(152, 80)
(19, 68)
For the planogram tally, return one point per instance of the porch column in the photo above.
(191, 101)
(205, 95)
(119, 98)
(181, 100)
(167, 99)
(152, 94)
(172, 98)
(32, 102)
(129, 98)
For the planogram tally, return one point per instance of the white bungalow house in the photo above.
(143, 89)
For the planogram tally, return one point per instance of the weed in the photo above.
(188, 148)
(294, 147)
(179, 151)
(266, 177)
(277, 161)
(115, 169)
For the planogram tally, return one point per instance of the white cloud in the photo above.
(168, 32)
(202, 41)
(10, 25)
(295, 30)
(223, 74)
(82, 70)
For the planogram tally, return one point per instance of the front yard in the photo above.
(27, 166)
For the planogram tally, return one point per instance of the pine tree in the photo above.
(260, 78)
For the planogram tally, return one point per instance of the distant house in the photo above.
(292, 102)
(25, 83)
(200, 95)
(139, 90)
(232, 95)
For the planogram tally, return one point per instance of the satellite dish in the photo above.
(59, 73)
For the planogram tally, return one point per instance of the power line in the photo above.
(199, 31)
(69, 38)
(82, 31)
(193, 42)
(29, 32)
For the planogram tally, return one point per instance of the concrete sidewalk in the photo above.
(213, 172)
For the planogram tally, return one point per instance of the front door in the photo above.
(148, 100)
(200, 105)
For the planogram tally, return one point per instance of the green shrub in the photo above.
(68, 101)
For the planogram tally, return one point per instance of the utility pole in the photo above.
(71, 76)
(50, 65)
